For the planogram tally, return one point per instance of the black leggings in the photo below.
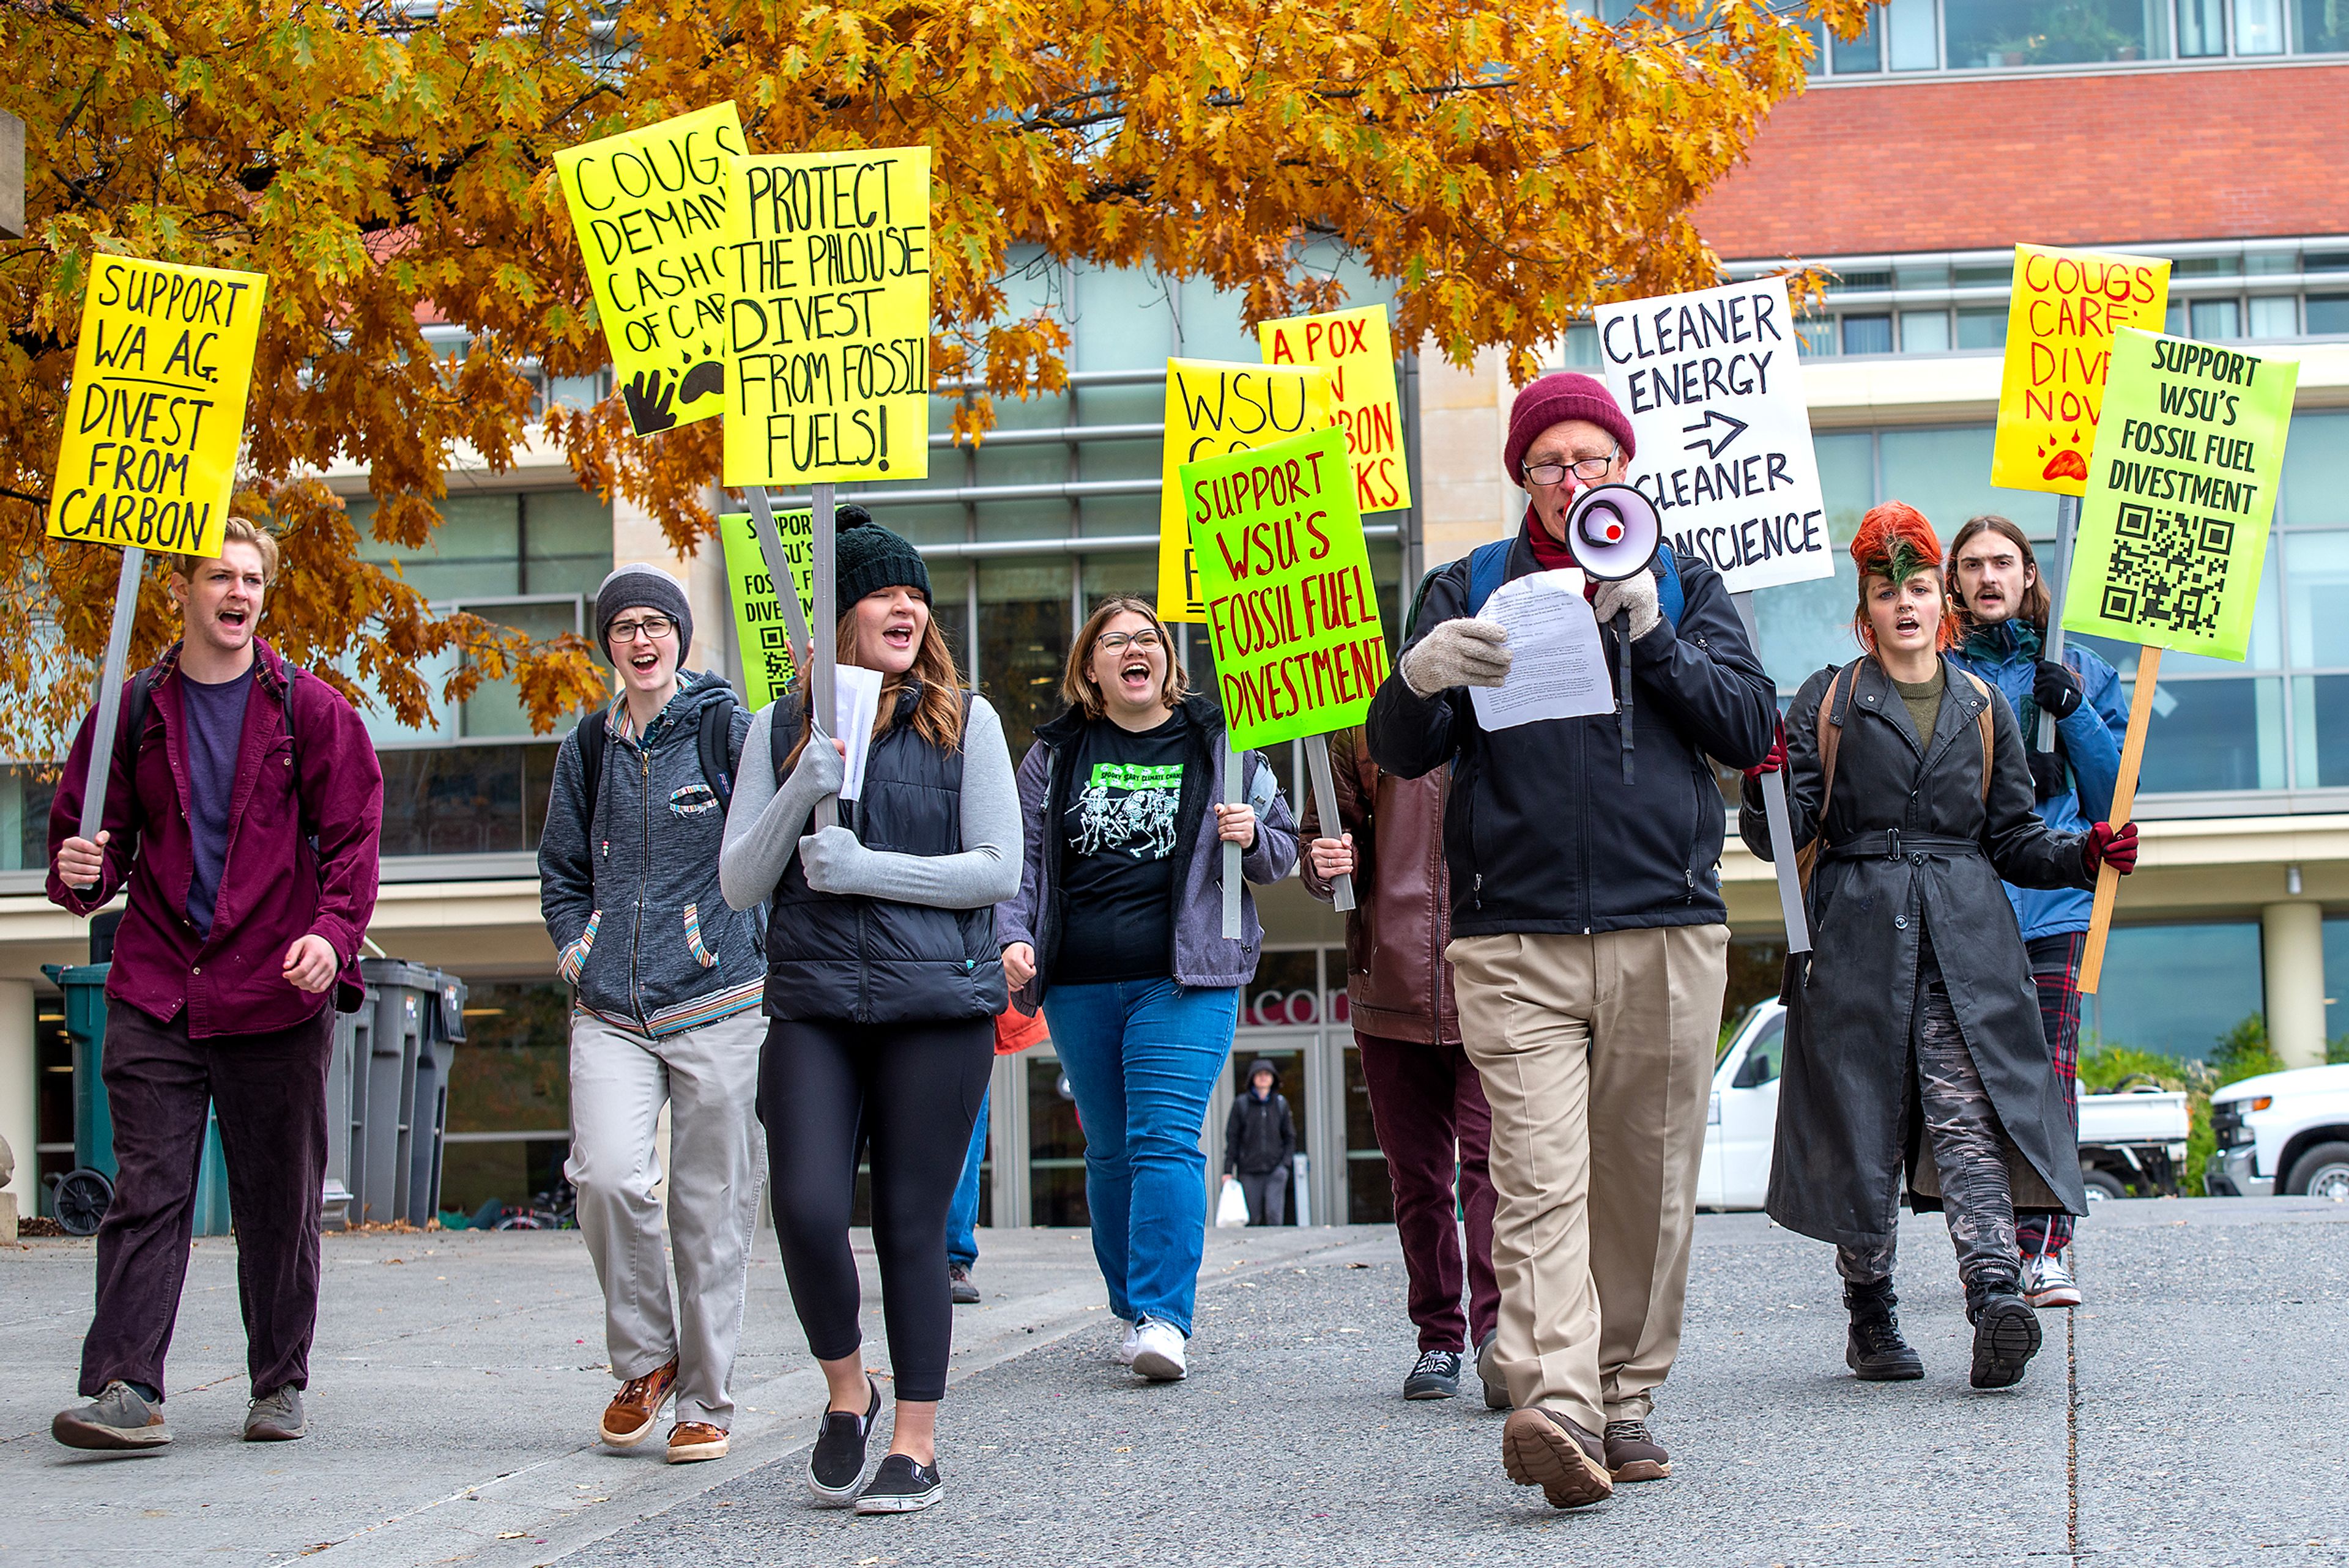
(911, 1093)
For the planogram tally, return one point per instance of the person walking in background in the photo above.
(1590, 942)
(962, 1215)
(1908, 778)
(244, 812)
(2003, 609)
(1116, 931)
(884, 980)
(664, 983)
(1260, 1143)
(1426, 1101)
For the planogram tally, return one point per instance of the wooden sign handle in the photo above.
(1325, 806)
(2108, 881)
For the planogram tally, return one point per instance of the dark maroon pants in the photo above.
(271, 1093)
(1428, 1106)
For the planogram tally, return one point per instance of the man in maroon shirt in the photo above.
(250, 853)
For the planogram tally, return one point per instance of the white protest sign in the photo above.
(1715, 396)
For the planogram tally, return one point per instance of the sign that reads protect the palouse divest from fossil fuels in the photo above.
(650, 207)
(1715, 396)
(1214, 408)
(2060, 321)
(2182, 487)
(156, 410)
(1354, 347)
(1285, 575)
(828, 334)
(769, 666)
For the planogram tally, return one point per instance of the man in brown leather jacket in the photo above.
(1426, 1100)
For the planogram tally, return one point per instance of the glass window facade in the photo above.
(2019, 35)
(2175, 989)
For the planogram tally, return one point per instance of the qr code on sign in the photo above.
(2169, 570)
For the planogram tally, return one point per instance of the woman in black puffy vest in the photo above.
(882, 983)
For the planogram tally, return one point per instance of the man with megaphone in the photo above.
(1589, 936)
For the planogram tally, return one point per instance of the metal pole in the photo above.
(1325, 806)
(2068, 518)
(109, 697)
(827, 617)
(779, 570)
(1234, 794)
(1781, 830)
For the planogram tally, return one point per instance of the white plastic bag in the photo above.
(1231, 1208)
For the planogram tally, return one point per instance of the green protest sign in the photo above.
(768, 670)
(1284, 577)
(2181, 485)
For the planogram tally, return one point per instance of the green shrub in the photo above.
(2243, 1051)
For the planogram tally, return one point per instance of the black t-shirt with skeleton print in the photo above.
(1117, 856)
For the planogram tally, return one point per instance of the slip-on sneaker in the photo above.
(838, 1463)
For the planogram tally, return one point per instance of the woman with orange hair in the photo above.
(1914, 1042)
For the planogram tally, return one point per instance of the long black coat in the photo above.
(1848, 1124)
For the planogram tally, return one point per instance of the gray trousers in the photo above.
(1268, 1196)
(708, 1078)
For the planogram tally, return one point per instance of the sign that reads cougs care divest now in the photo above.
(1285, 574)
(1354, 348)
(1715, 396)
(2060, 323)
(768, 666)
(829, 335)
(1214, 408)
(650, 207)
(156, 410)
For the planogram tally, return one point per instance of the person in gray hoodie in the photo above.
(666, 982)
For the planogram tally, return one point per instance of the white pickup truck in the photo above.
(2131, 1142)
(2282, 1133)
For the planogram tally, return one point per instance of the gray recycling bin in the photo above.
(387, 1094)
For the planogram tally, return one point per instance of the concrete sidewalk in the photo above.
(2190, 1414)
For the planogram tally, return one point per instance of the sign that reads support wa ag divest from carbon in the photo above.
(156, 410)
(828, 337)
(1714, 394)
(1284, 577)
(769, 666)
(2182, 487)
(650, 207)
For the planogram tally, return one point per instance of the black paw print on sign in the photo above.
(703, 380)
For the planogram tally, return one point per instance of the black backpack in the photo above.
(713, 742)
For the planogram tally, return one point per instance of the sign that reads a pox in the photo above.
(1212, 408)
(2181, 486)
(157, 410)
(768, 666)
(1286, 576)
(1354, 348)
(829, 332)
(2060, 323)
(650, 210)
(1715, 396)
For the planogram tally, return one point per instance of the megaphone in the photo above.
(1614, 533)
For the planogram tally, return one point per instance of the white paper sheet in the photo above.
(856, 702)
(1557, 670)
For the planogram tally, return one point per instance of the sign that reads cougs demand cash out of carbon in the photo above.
(1711, 386)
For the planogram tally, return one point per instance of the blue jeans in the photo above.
(1141, 1057)
(962, 1217)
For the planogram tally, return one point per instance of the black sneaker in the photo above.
(1434, 1376)
(2007, 1337)
(1873, 1348)
(901, 1486)
(838, 1463)
(958, 1282)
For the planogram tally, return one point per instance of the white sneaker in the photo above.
(1125, 1345)
(2048, 1282)
(1158, 1352)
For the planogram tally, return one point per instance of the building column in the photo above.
(2291, 943)
(1464, 498)
(19, 1099)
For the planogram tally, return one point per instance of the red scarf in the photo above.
(1551, 554)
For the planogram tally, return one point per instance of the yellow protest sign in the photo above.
(767, 668)
(2060, 321)
(650, 210)
(1212, 408)
(828, 334)
(156, 410)
(1353, 346)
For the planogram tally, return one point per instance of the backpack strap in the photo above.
(593, 733)
(1670, 598)
(716, 743)
(1983, 725)
(308, 819)
(1834, 704)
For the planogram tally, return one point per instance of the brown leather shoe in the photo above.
(629, 1419)
(1541, 1448)
(1632, 1454)
(692, 1440)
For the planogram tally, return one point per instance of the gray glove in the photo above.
(830, 858)
(1636, 595)
(1463, 653)
(821, 768)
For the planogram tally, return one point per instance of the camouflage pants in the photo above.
(1961, 1137)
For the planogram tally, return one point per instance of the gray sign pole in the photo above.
(826, 619)
(1234, 794)
(1325, 806)
(2067, 518)
(779, 570)
(1782, 831)
(109, 697)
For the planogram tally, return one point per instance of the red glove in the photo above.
(1775, 761)
(2111, 846)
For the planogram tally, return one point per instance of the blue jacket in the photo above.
(2091, 746)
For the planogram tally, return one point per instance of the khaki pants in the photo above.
(1597, 1054)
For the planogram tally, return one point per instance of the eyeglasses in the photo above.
(1115, 641)
(1584, 469)
(652, 628)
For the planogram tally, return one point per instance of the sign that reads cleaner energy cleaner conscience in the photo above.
(1354, 348)
(650, 207)
(1710, 381)
(1286, 576)
(2174, 528)
(156, 410)
(2060, 323)
(1212, 408)
(767, 668)
(829, 331)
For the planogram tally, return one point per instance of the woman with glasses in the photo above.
(1117, 932)
(665, 983)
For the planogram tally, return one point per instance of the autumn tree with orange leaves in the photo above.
(1503, 167)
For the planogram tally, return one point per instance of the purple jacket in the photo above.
(272, 891)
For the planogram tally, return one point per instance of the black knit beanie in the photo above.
(638, 586)
(866, 556)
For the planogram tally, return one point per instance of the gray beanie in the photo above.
(638, 586)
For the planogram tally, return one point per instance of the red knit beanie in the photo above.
(1562, 395)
